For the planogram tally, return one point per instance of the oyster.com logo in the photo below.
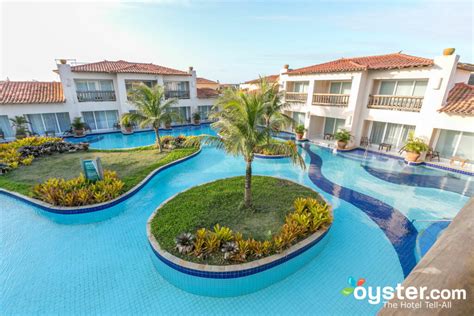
(353, 284)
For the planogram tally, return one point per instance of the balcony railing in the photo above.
(179, 94)
(329, 99)
(296, 97)
(397, 103)
(95, 96)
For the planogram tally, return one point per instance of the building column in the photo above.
(355, 108)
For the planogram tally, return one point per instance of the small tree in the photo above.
(20, 125)
(239, 132)
(152, 109)
(274, 119)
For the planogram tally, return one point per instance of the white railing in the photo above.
(397, 103)
(330, 99)
(296, 97)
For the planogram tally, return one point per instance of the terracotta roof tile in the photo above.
(389, 61)
(122, 66)
(271, 79)
(204, 80)
(460, 100)
(24, 92)
(207, 93)
(466, 66)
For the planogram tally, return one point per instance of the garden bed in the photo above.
(131, 166)
(220, 202)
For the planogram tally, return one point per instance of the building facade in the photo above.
(382, 98)
(97, 92)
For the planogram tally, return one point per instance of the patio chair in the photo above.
(4, 168)
(2, 134)
(50, 133)
(87, 127)
(117, 125)
(67, 132)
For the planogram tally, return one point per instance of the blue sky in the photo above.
(230, 41)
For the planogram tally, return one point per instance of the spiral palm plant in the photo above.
(152, 109)
(240, 134)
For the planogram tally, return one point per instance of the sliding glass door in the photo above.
(455, 143)
(49, 122)
(390, 133)
(101, 120)
(5, 126)
(332, 125)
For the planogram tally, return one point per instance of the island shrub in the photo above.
(79, 191)
(308, 216)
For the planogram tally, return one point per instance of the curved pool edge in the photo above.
(71, 210)
(262, 156)
(222, 275)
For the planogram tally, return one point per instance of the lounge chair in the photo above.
(432, 154)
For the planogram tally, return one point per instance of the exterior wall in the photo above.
(121, 104)
(441, 78)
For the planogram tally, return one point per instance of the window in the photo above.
(415, 88)
(177, 89)
(94, 85)
(332, 125)
(5, 126)
(340, 87)
(204, 111)
(98, 120)
(298, 117)
(455, 143)
(299, 87)
(390, 133)
(49, 122)
(471, 79)
(183, 111)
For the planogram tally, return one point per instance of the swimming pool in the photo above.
(117, 140)
(101, 262)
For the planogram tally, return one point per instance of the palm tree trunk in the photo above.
(248, 184)
(268, 131)
(158, 140)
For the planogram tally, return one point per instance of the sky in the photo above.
(229, 41)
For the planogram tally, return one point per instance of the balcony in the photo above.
(95, 96)
(329, 99)
(179, 94)
(397, 103)
(296, 97)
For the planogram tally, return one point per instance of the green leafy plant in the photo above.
(152, 109)
(415, 144)
(79, 191)
(342, 135)
(77, 124)
(196, 116)
(239, 132)
(299, 129)
(20, 123)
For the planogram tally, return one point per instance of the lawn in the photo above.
(220, 202)
(131, 167)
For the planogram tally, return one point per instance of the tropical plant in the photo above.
(20, 125)
(415, 144)
(308, 216)
(239, 132)
(77, 124)
(299, 129)
(79, 191)
(274, 118)
(196, 117)
(185, 243)
(152, 109)
(126, 122)
(229, 249)
(342, 135)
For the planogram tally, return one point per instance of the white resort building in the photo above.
(379, 99)
(97, 92)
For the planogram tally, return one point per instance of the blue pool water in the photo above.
(140, 138)
(101, 262)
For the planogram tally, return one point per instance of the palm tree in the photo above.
(239, 133)
(274, 119)
(19, 122)
(152, 109)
